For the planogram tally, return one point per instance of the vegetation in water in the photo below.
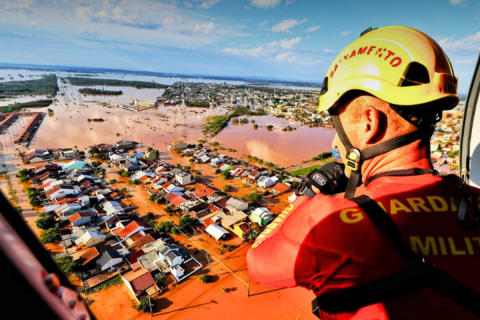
(215, 124)
(30, 104)
(47, 85)
(92, 91)
(79, 81)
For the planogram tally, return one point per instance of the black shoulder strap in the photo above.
(420, 273)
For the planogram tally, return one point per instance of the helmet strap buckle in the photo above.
(354, 159)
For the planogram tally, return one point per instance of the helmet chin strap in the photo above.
(356, 157)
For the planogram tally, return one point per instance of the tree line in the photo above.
(93, 91)
(46, 85)
(79, 81)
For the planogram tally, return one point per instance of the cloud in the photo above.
(22, 6)
(466, 61)
(262, 24)
(84, 12)
(307, 37)
(253, 53)
(470, 44)
(457, 2)
(206, 28)
(247, 20)
(344, 33)
(288, 44)
(286, 56)
(287, 24)
(242, 26)
(205, 4)
(312, 29)
(265, 4)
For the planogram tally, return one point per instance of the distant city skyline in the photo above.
(281, 39)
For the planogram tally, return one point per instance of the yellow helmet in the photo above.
(399, 65)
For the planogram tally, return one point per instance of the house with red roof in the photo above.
(138, 282)
(88, 256)
(177, 200)
(202, 190)
(140, 239)
(280, 188)
(145, 179)
(76, 219)
(133, 257)
(132, 228)
(62, 191)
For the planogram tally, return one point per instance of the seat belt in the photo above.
(420, 273)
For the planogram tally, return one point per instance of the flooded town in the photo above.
(148, 191)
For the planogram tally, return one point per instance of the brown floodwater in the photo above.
(155, 127)
(282, 148)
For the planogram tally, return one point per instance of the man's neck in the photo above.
(407, 157)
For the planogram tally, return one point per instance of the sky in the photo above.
(281, 39)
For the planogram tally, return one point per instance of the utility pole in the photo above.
(208, 259)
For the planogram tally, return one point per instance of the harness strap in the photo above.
(419, 274)
(370, 152)
(401, 173)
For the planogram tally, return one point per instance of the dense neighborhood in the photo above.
(105, 235)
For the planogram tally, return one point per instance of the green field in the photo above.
(306, 171)
(215, 124)
(77, 81)
(47, 85)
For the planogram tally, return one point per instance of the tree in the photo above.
(187, 222)
(67, 265)
(168, 209)
(125, 174)
(225, 175)
(95, 164)
(175, 231)
(227, 188)
(35, 201)
(187, 168)
(253, 196)
(152, 198)
(45, 222)
(93, 151)
(24, 175)
(149, 216)
(161, 279)
(144, 305)
(31, 190)
(205, 278)
(50, 236)
(164, 226)
(191, 160)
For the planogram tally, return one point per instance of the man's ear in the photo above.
(373, 125)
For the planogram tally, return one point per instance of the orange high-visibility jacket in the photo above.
(328, 243)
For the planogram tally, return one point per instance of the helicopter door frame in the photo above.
(470, 137)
